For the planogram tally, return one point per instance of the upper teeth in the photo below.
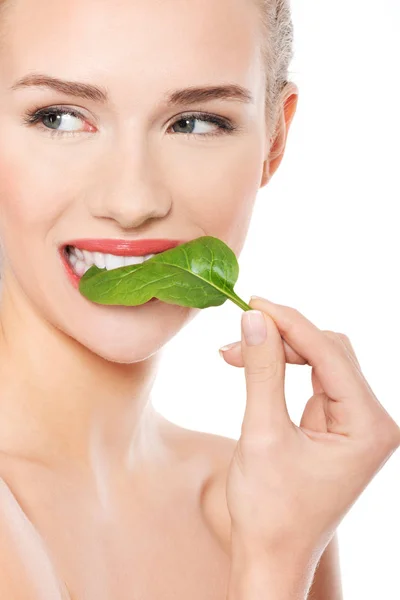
(82, 260)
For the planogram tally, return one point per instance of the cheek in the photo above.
(220, 190)
(237, 201)
(30, 202)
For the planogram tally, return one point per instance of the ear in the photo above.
(286, 113)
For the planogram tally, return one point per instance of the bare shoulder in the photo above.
(210, 455)
(26, 569)
(201, 445)
(218, 451)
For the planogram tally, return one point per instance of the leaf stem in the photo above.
(236, 300)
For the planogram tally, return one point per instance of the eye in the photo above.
(57, 120)
(223, 126)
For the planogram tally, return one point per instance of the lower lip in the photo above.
(75, 279)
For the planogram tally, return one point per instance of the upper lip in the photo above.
(124, 247)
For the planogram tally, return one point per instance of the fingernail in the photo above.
(254, 327)
(227, 347)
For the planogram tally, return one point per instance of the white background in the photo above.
(324, 239)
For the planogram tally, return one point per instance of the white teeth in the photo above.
(80, 268)
(99, 260)
(135, 260)
(73, 259)
(114, 262)
(147, 256)
(87, 257)
(81, 261)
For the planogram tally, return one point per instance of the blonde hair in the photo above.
(277, 53)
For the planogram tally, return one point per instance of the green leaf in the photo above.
(199, 273)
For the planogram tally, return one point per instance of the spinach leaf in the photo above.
(199, 273)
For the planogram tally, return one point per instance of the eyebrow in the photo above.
(189, 95)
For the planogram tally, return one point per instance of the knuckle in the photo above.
(292, 311)
(386, 435)
(336, 334)
(394, 436)
(342, 342)
(330, 335)
(264, 372)
(344, 337)
(252, 445)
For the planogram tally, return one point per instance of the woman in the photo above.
(101, 497)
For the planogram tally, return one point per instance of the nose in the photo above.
(132, 195)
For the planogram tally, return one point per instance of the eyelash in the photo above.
(33, 118)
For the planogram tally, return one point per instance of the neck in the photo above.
(62, 404)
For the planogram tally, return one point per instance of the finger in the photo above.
(264, 363)
(347, 343)
(341, 338)
(233, 355)
(339, 378)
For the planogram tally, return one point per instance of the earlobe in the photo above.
(277, 146)
(265, 174)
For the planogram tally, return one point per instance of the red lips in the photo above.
(125, 247)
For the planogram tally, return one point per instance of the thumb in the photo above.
(264, 364)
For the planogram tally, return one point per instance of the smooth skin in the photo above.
(101, 494)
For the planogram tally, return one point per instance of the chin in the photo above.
(123, 334)
(121, 349)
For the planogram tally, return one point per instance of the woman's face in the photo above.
(128, 168)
